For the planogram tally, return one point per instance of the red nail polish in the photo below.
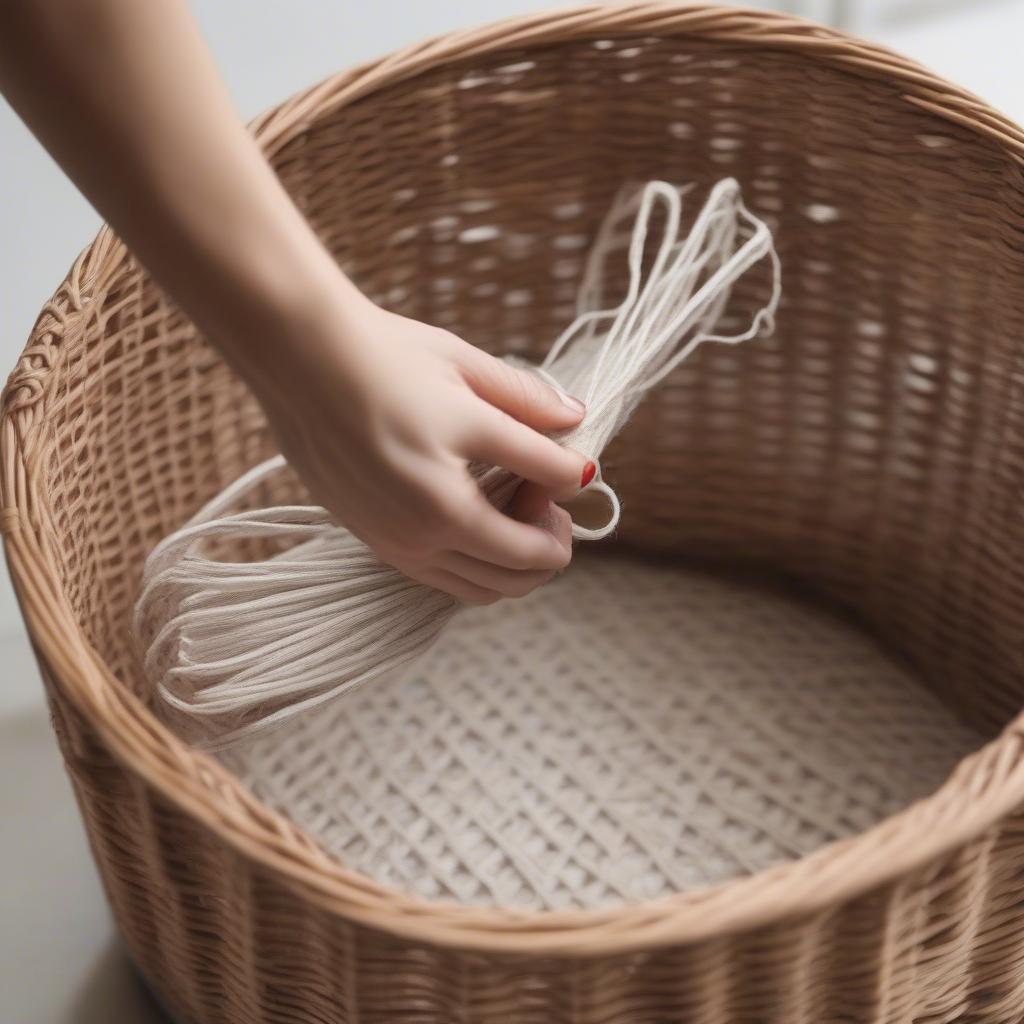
(589, 472)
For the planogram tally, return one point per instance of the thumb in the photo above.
(531, 504)
(521, 394)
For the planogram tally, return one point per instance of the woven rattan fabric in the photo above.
(629, 731)
(873, 449)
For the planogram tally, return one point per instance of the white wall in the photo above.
(268, 49)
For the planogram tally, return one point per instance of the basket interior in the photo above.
(633, 729)
(869, 452)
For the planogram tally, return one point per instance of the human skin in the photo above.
(379, 415)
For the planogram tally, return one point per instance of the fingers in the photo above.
(520, 394)
(490, 536)
(519, 407)
(499, 440)
(531, 504)
(494, 578)
(460, 588)
(476, 581)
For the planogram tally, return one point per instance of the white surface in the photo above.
(59, 963)
(56, 960)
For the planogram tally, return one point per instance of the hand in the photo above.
(378, 414)
(381, 415)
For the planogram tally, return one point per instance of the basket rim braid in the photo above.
(985, 786)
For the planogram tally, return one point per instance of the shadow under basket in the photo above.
(758, 761)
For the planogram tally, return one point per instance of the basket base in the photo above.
(155, 1008)
(630, 730)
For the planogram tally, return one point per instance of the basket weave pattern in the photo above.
(874, 449)
(631, 730)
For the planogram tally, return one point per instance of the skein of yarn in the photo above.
(236, 647)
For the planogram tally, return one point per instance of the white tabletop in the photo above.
(59, 960)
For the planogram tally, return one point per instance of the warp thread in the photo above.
(238, 647)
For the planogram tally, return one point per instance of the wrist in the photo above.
(284, 313)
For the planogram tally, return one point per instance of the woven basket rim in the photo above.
(983, 788)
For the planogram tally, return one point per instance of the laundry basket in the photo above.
(872, 451)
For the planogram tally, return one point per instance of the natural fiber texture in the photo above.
(873, 449)
(244, 646)
(629, 731)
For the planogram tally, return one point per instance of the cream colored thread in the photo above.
(239, 647)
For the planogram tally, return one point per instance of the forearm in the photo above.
(125, 96)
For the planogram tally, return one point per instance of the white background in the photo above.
(56, 962)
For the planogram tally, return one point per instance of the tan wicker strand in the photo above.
(874, 450)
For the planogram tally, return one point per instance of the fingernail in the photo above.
(589, 472)
(570, 402)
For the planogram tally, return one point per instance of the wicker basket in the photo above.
(876, 453)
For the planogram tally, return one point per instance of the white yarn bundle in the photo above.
(239, 646)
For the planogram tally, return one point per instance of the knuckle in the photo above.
(519, 387)
(454, 513)
(447, 340)
(443, 508)
(531, 390)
